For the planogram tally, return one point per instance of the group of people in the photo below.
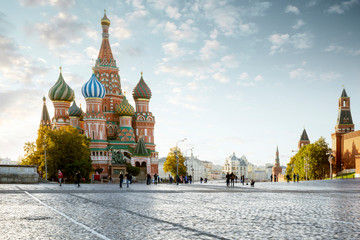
(157, 179)
(128, 177)
(231, 178)
(295, 177)
(77, 178)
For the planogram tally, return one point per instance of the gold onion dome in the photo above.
(105, 20)
(61, 91)
(125, 108)
(141, 90)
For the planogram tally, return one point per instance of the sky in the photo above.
(229, 76)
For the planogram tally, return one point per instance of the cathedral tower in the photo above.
(75, 114)
(126, 113)
(61, 95)
(107, 73)
(144, 121)
(304, 139)
(45, 117)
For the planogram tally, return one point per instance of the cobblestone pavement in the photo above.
(311, 210)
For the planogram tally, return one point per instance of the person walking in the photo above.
(190, 179)
(148, 179)
(60, 176)
(155, 179)
(78, 178)
(177, 179)
(127, 175)
(130, 177)
(201, 179)
(232, 178)
(297, 177)
(227, 179)
(121, 178)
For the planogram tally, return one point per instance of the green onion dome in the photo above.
(141, 90)
(74, 110)
(124, 108)
(61, 91)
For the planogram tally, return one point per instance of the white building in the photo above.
(238, 166)
(7, 161)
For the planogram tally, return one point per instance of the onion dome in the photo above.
(105, 20)
(74, 110)
(93, 88)
(61, 91)
(125, 108)
(142, 90)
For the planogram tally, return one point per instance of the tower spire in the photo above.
(344, 122)
(304, 139)
(45, 117)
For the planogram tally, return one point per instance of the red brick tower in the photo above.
(61, 95)
(344, 125)
(304, 139)
(107, 73)
(277, 169)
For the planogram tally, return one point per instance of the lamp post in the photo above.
(330, 162)
(306, 167)
(177, 160)
(45, 159)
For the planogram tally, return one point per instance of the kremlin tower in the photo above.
(304, 139)
(112, 124)
(277, 169)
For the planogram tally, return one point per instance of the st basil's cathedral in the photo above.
(113, 125)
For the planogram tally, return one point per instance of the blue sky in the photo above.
(230, 76)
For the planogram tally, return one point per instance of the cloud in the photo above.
(300, 73)
(214, 34)
(172, 49)
(139, 10)
(280, 42)
(183, 32)
(229, 61)
(173, 12)
(56, 3)
(303, 74)
(221, 78)
(258, 78)
(62, 29)
(245, 81)
(120, 31)
(208, 51)
(329, 76)
(193, 85)
(299, 23)
(292, 9)
(334, 48)
(244, 76)
(342, 7)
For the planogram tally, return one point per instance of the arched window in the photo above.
(137, 164)
(143, 164)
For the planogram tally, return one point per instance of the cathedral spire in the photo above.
(105, 57)
(45, 117)
(277, 159)
(344, 122)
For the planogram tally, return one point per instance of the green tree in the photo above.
(66, 150)
(314, 157)
(171, 162)
(132, 169)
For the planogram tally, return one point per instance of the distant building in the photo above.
(238, 166)
(7, 161)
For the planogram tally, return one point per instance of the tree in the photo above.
(171, 162)
(66, 150)
(132, 169)
(313, 157)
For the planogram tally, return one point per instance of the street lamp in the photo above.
(177, 160)
(45, 159)
(306, 167)
(330, 162)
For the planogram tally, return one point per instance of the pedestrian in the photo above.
(130, 177)
(121, 178)
(243, 179)
(297, 177)
(190, 179)
(127, 175)
(252, 183)
(294, 177)
(170, 178)
(177, 179)
(148, 179)
(236, 178)
(227, 179)
(232, 178)
(78, 178)
(60, 176)
(271, 178)
(155, 179)
(201, 180)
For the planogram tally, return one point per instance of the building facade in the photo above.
(113, 125)
(345, 140)
(238, 166)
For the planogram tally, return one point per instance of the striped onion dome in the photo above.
(93, 88)
(61, 91)
(141, 90)
(125, 108)
(74, 110)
